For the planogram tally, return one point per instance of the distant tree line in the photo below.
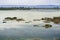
(14, 8)
(24, 8)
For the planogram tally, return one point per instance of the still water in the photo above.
(26, 31)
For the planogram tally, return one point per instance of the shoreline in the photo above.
(28, 8)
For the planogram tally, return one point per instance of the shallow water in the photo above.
(26, 31)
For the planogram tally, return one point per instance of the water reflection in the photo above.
(30, 32)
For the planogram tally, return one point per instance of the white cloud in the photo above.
(29, 2)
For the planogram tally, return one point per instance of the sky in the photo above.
(29, 2)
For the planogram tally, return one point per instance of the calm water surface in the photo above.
(18, 31)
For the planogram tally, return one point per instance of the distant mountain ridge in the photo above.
(30, 6)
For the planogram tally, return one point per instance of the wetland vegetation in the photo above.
(12, 18)
(47, 26)
(55, 20)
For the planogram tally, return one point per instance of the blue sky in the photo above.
(29, 2)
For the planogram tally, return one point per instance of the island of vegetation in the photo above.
(28, 22)
(36, 25)
(12, 18)
(47, 26)
(55, 20)
(36, 19)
